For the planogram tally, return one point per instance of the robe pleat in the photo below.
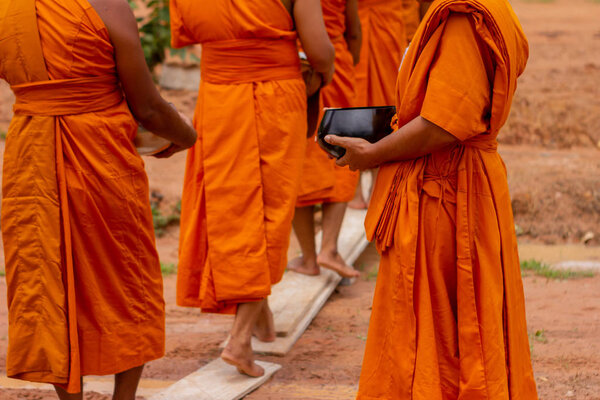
(383, 44)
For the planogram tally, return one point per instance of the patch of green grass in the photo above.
(2, 272)
(372, 274)
(161, 221)
(168, 268)
(540, 336)
(537, 336)
(361, 337)
(546, 271)
(2, 135)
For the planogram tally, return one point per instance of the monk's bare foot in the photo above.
(240, 355)
(335, 262)
(298, 265)
(264, 330)
(358, 204)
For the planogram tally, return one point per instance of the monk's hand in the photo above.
(327, 77)
(169, 151)
(359, 154)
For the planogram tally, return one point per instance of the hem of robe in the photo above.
(230, 308)
(341, 192)
(312, 201)
(150, 346)
(39, 377)
(49, 378)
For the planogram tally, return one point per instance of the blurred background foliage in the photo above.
(155, 33)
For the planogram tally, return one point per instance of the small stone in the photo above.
(587, 237)
(518, 230)
(570, 394)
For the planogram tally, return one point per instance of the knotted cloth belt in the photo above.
(416, 170)
(249, 60)
(67, 96)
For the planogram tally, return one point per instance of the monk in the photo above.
(323, 182)
(83, 276)
(243, 175)
(448, 319)
(384, 41)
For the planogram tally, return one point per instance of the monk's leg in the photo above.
(264, 330)
(126, 383)
(333, 215)
(358, 202)
(304, 227)
(238, 351)
(63, 395)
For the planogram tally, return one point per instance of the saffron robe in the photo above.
(411, 16)
(243, 174)
(383, 44)
(322, 180)
(448, 319)
(83, 276)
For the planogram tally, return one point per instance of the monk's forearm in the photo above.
(163, 120)
(319, 50)
(415, 139)
(353, 34)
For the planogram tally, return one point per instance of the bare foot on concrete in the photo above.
(240, 355)
(264, 330)
(300, 266)
(336, 263)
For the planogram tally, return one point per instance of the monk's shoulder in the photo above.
(110, 10)
(459, 24)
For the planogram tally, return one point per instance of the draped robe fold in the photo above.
(322, 180)
(411, 16)
(83, 277)
(448, 319)
(383, 44)
(242, 176)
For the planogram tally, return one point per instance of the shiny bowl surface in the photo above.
(369, 123)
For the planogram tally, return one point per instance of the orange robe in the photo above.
(448, 319)
(322, 180)
(243, 174)
(84, 281)
(411, 16)
(383, 44)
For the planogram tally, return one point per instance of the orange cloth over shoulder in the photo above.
(448, 319)
(322, 180)
(243, 174)
(84, 281)
(383, 44)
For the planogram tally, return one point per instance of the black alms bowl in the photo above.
(369, 123)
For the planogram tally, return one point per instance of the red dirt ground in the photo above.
(551, 149)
